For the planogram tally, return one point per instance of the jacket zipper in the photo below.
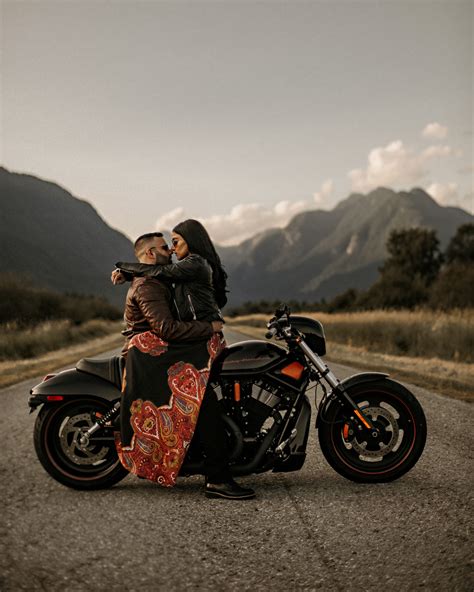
(175, 303)
(192, 307)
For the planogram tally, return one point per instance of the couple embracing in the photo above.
(174, 333)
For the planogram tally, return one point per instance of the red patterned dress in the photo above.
(163, 388)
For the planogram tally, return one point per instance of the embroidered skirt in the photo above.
(162, 391)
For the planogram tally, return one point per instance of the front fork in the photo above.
(360, 420)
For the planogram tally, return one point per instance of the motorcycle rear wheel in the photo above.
(398, 415)
(56, 433)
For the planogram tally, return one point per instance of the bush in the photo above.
(348, 300)
(422, 333)
(454, 288)
(24, 304)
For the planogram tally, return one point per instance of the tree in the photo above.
(414, 252)
(343, 302)
(461, 246)
(394, 290)
(411, 268)
(454, 285)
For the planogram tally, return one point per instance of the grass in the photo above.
(424, 334)
(431, 350)
(14, 371)
(428, 349)
(18, 343)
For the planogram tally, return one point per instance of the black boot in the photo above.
(229, 489)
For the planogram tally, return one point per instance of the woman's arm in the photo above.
(191, 268)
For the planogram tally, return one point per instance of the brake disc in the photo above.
(389, 426)
(69, 437)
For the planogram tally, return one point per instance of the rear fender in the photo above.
(72, 383)
(349, 382)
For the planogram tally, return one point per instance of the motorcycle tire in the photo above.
(56, 431)
(399, 417)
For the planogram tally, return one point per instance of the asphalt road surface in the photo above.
(308, 530)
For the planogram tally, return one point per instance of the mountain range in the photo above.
(322, 253)
(61, 242)
(56, 240)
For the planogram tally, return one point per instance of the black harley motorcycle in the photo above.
(371, 429)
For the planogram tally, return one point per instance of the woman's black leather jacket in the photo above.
(191, 280)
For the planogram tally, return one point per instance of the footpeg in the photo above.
(280, 449)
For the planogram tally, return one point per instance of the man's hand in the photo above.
(117, 277)
(217, 326)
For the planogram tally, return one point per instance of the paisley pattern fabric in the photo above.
(163, 389)
(148, 343)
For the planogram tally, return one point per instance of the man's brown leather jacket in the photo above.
(148, 307)
(192, 283)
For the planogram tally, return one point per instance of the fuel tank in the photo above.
(250, 357)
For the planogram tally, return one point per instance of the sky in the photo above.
(240, 114)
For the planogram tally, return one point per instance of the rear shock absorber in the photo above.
(100, 423)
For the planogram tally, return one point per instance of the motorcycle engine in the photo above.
(250, 403)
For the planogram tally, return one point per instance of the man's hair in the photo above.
(142, 240)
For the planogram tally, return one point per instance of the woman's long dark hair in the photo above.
(200, 243)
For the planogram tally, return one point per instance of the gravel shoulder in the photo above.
(15, 371)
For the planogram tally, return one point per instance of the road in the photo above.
(308, 530)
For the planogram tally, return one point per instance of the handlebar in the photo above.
(276, 324)
(271, 332)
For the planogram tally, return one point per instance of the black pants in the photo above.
(210, 433)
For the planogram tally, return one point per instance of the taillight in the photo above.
(54, 398)
(48, 376)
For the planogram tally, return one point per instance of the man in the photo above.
(165, 399)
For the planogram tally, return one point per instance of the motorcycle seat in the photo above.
(109, 369)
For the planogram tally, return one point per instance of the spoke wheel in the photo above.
(387, 452)
(92, 464)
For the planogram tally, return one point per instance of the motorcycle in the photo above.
(371, 429)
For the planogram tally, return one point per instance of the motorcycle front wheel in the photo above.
(57, 433)
(401, 433)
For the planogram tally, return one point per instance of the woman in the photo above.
(198, 276)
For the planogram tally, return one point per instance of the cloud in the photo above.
(324, 193)
(170, 219)
(437, 150)
(435, 131)
(395, 165)
(447, 194)
(444, 194)
(390, 165)
(245, 220)
(467, 202)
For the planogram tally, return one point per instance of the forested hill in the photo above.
(320, 254)
(57, 240)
